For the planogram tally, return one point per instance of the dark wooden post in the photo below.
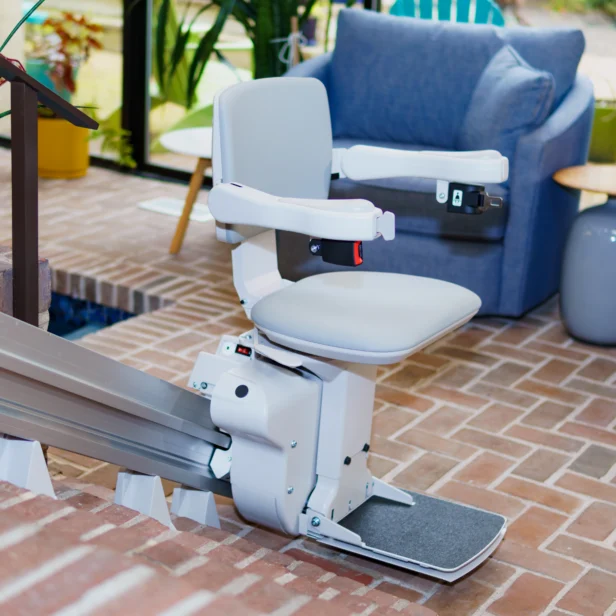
(24, 159)
(26, 94)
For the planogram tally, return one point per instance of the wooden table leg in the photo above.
(193, 190)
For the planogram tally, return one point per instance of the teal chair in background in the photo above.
(486, 11)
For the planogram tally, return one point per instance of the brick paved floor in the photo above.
(512, 416)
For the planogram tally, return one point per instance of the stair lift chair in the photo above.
(296, 393)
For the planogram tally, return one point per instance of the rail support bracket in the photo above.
(195, 505)
(145, 494)
(22, 463)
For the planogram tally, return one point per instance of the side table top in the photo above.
(592, 177)
(195, 142)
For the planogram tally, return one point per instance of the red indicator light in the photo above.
(243, 350)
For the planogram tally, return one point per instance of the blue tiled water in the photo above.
(73, 318)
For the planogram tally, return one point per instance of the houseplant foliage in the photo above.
(267, 24)
(62, 44)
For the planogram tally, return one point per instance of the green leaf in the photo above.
(204, 50)
(3, 114)
(19, 24)
(161, 43)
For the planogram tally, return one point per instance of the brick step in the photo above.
(59, 549)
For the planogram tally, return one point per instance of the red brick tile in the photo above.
(379, 467)
(267, 596)
(483, 499)
(597, 522)
(589, 487)
(431, 442)
(600, 369)
(427, 359)
(168, 553)
(409, 375)
(605, 558)
(473, 357)
(84, 501)
(534, 526)
(548, 414)
(504, 395)
(453, 396)
(443, 420)
(490, 441)
(599, 412)
(539, 494)
(483, 470)
(555, 334)
(402, 398)
(423, 473)
(547, 439)
(555, 371)
(76, 524)
(69, 584)
(592, 595)
(493, 573)
(566, 396)
(392, 449)
(515, 334)
(460, 599)
(212, 576)
(549, 349)
(516, 354)
(400, 591)
(390, 420)
(540, 562)
(469, 337)
(595, 389)
(595, 461)
(541, 464)
(327, 565)
(528, 595)
(37, 508)
(458, 375)
(495, 418)
(506, 374)
(589, 432)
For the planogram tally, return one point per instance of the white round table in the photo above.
(195, 142)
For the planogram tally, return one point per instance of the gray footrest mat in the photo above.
(433, 533)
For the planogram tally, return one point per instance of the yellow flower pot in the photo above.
(63, 151)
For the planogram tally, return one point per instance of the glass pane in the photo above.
(94, 78)
(233, 59)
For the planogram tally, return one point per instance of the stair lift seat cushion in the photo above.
(363, 317)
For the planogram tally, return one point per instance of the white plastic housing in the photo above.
(363, 162)
(345, 219)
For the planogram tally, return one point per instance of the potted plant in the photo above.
(603, 138)
(56, 50)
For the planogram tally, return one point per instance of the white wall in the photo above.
(10, 13)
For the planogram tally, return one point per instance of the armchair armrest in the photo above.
(540, 211)
(345, 219)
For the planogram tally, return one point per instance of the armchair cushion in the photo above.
(510, 99)
(411, 80)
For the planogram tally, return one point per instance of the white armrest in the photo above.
(344, 219)
(370, 163)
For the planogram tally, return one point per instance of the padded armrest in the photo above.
(344, 219)
(318, 67)
(369, 163)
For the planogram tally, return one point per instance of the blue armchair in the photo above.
(410, 84)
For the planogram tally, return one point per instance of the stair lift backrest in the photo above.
(273, 135)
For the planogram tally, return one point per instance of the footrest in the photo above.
(434, 537)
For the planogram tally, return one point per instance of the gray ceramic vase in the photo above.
(588, 284)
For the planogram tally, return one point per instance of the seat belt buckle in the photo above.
(338, 252)
(470, 199)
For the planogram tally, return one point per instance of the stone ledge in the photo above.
(6, 286)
